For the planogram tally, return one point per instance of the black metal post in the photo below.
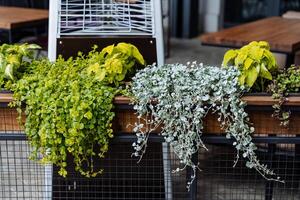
(290, 59)
(269, 187)
(10, 36)
(297, 165)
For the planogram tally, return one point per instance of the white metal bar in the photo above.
(158, 31)
(53, 29)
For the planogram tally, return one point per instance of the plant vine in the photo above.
(287, 81)
(69, 105)
(179, 97)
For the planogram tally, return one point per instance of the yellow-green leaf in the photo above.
(9, 69)
(13, 59)
(88, 115)
(100, 75)
(93, 68)
(248, 63)
(2, 62)
(256, 53)
(251, 76)
(240, 59)
(125, 48)
(264, 72)
(137, 55)
(33, 46)
(271, 61)
(108, 50)
(242, 79)
(264, 44)
(229, 57)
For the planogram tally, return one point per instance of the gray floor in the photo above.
(188, 50)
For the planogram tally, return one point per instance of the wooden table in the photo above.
(12, 18)
(282, 34)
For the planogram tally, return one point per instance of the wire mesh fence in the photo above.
(152, 178)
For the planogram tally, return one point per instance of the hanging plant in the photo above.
(179, 97)
(287, 81)
(69, 109)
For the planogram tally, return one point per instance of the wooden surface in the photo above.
(282, 34)
(124, 120)
(15, 17)
(251, 100)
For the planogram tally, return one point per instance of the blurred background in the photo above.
(184, 21)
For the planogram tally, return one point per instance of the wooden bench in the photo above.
(12, 18)
(282, 34)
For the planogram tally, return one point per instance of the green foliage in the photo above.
(287, 81)
(69, 110)
(114, 62)
(183, 96)
(14, 60)
(254, 61)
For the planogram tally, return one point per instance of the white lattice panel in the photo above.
(103, 17)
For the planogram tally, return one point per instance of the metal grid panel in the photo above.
(105, 17)
(20, 178)
(220, 181)
(123, 178)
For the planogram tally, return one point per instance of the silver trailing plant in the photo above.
(179, 97)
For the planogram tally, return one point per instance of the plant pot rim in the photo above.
(292, 94)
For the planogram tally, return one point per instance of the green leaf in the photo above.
(100, 75)
(33, 46)
(88, 115)
(125, 48)
(248, 63)
(2, 62)
(251, 76)
(137, 55)
(240, 59)
(264, 72)
(242, 79)
(264, 45)
(270, 60)
(9, 72)
(256, 53)
(229, 57)
(107, 50)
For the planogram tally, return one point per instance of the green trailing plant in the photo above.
(255, 62)
(69, 109)
(14, 60)
(179, 97)
(287, 81)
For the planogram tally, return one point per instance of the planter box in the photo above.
(123, 178)
(259, 109)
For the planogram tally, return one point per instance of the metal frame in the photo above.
(209, 139)
(157, 30)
